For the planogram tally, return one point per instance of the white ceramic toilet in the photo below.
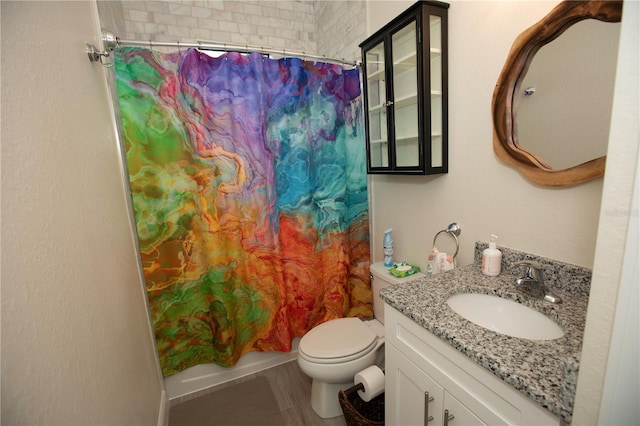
(333, 352)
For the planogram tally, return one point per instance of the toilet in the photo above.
(333, 352)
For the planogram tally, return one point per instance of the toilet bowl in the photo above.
(333, 352)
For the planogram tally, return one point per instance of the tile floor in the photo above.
(292, 390)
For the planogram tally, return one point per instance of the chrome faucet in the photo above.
(532, 283)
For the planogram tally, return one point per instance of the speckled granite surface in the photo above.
(544, 371)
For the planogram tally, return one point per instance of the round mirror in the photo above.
(535, 125)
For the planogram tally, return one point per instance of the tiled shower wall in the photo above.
(340, 28)
(330, 28)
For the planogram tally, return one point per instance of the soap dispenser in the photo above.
(492, 259)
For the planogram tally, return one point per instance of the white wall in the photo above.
(482, 194)
(486, 196)
(610, 347)
(76, 343)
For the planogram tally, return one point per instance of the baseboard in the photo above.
(205, 376)
(163, 414)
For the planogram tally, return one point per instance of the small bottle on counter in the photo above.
(387, 244)
(492, 259)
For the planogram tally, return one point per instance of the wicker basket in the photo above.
(358, 412)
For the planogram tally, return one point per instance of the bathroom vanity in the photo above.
(441, 367)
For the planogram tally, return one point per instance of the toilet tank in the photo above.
(381, 278)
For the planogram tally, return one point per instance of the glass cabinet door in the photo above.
(405, 96)
(377, 107)
(436, 89)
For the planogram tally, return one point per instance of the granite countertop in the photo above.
(545, 371)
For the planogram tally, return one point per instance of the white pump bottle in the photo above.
(492, 259)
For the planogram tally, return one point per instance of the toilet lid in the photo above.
(339, 338)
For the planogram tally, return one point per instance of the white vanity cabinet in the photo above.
(416, 396)
(425, 379)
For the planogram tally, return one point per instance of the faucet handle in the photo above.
(528, 263)
(533, 270)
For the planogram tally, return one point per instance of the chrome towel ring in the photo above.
(454, 230)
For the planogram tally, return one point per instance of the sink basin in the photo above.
(505, 316)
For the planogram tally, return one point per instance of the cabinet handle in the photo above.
(447, 417)
(388, 103)
(427, 400)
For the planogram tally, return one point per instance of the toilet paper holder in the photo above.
(368, 383)
(354, 388)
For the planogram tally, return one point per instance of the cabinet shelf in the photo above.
(407, 61)
(376, 76)
(407, 100)
(406, 138)
(376, 108)
(401, 102)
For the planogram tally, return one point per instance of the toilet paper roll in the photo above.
(372, 378)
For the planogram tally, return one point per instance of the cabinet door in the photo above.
(411, 396)
(404, 50)
(376, 103)
(393, 99)
(457, 413)
(437, 108)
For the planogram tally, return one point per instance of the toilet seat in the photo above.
(337, 341)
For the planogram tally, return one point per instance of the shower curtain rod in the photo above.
(111, 41)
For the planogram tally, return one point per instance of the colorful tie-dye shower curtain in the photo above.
(248, 181)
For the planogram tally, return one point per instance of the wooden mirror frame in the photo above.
(523, 50)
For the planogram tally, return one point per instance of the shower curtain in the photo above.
(248, 181)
